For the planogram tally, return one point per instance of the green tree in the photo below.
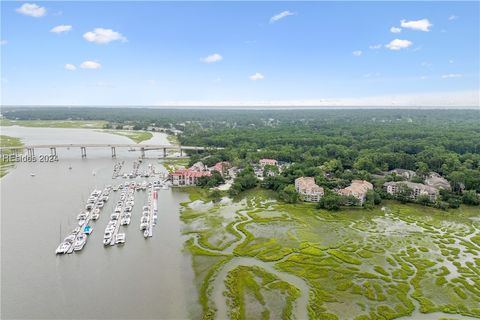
(471, 198)
(289, 194)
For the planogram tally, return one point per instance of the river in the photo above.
(145, 278)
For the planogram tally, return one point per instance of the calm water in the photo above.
(146, 278)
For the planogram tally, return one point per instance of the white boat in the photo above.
(76, 230)
(69, 239)
(80, 242)
(32, 174)
(95, 216)
(114, 216)
(81, 216)
(106, 241)
(146, 233)
(107, 235)
(81, 222)
(63, 248)
(125, 221)
(143, 226)
(120, 238)
(100, 204)
(96, 211)
(128, 209)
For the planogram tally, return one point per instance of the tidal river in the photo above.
(145, 278)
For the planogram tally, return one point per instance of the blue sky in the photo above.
(233, 53)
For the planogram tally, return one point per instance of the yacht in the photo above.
(81, 216)
(146, 233)
(106, 241)
(80, 242)
(143, 226)
(128, 209)
(89, 206)
(100, 204)
(76, 230)
(114, 216)
(88, 229)
(95, 216)
(107, 235)
(115, 189)
(63, 248)
(81, 222)
(69, 239)
(120, 238)
(96, 211)
(32, 174)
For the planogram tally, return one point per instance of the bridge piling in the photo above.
(83, 150)
(164, 152)
(114, 152)
(142, 150)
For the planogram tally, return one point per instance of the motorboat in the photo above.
(146, 233)
(88, 229)
(107, 235)
(144, 219)
(76, 230)
(32, 174)
(69, 239)
(63, 248)
(143, 226)
(89, 206)
(106, 241)
(128, 209)
(81, 222)
(96, 211)
(80, 242)
(81, 216)
(120, 238)
(95, 216)
(100, 204)
(114, 216)
(146, 208)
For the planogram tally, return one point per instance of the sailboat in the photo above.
(32, 174)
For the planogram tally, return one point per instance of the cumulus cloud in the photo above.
(375, 46)
(103, 36)
(70, 67)
(90, 65)
(452, 17)
(451, 75)
(421, 25)
(61, 28)
(32, 10)
(395, 29)
(357, 53)
(257, 76)
(281, 15)
(215, 57)
(398, 44)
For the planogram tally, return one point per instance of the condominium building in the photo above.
(308, 189)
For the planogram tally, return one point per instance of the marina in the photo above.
(77, 239)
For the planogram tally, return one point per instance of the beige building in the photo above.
(308, 189)
(358, 189)
(418, 189)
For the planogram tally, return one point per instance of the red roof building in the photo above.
(187, 177)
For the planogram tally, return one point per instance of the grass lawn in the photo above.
(6, 141)
(136, 136)
(54, 123)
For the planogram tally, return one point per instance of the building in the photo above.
(358, 189)
(418, 189)
(222, 167)
(437, 181)
(187, 177)
(406, 174)
(308, 189)
(271, 162)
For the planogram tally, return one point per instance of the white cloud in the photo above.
(215, 57)
(395, 30)
(452, 75)
(61, 28)
(257, 76)
(70, 67)
(32, 10)
(375, 46)
(452, 17)
(398, 44)
(102, 36)
(281, 15)
(357, 53)
(90, 65)
(422, 25)
(3, 42)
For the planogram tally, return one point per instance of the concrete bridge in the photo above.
(83, 148)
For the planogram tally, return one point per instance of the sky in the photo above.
(240, 53)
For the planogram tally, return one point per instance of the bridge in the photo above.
(83, 148)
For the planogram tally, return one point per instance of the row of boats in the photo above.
(76, 240)
(117, 168)
(121, 215)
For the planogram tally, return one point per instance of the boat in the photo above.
(81, 216)
(81, 222)
(63, 248)
(69, 239)
(88, 229)
(114, 216)
(70, 167)
(80, 242)
(120, 238)
(143, 226)
(76, 230)
(94, 173)
(106, 241)
(100, 204)
(125, 221)
(32, 174)
(96, 211)
(146, 233)
(95, 216)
